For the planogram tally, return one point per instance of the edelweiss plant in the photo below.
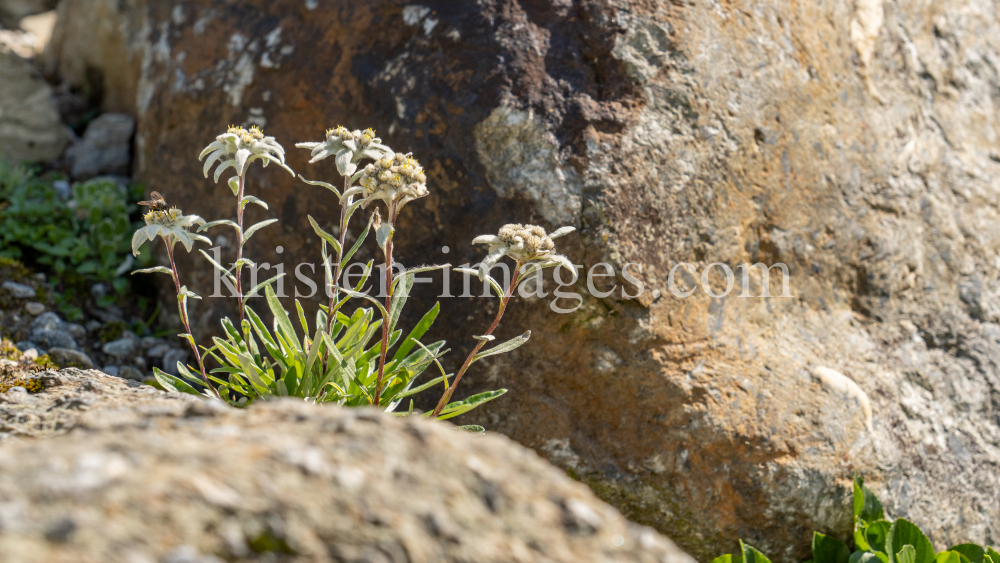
(172, 226)
(531, 250)
(332, 361)
(238, 148)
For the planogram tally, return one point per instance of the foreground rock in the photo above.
(853, 142)
(150, 476)
(30, 128)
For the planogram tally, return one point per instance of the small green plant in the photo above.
(82, 239)
(337, 359)
(876, 540)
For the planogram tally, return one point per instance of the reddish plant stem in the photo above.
(187, 324)
(468, 361)
(239, 247)
(388, 307)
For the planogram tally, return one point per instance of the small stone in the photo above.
(120, 348)
(34, 309)
(140, 364)
(92, 325)
(98, 290)
(53, 339)
(148, 342)
(17, 389)
(171, 358)
(29, 355)
(158, 351)
(19, 290)
(65, 356)
(75, 330)
(129, 372)
(47, 321)
(110, 370)
(5, 363)
(106, 147)
(63, 187)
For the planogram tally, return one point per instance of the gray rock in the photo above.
(109, 314)
(47, 321)
(501, 498)
(158, 351)
(129, 372)
(34, 308)
(98, 290)
(106, 147)
(140, 364)
(170, 359)
(93, 325)
(30, 125)
(75, 330)
(29, 355)
(19, 290)
(66, 356)
(53, 339)
(26, 345)
(110, 370)
(63, 187)
(120, 348)
(148, 342)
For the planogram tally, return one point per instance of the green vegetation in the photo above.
(83, 238)
(876, 540)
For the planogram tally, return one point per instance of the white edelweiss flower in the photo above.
(238, 147)
(395, 178)
(172, 225)
(349, 147)
(524, 244)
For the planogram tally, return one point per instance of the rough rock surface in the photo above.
(106, 147)
(856, 143)
(30, 128)
(149, 476)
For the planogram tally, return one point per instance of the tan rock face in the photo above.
(149, 476)
(29, 120)
(856, 143)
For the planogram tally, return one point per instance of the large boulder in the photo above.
(855, 143)
(149, 476)
(30, 128)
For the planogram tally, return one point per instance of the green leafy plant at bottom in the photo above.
(332, 366)
(876, 540)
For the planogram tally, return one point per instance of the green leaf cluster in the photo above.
(86, 237)
(877, 540)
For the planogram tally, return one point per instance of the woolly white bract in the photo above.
(172, 226)
(238, 147)
(524, 244)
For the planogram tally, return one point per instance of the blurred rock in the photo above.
(110, 370)
(121, 348)
(26, 345)
(129, 372)
(67, 357)
(106, 147)
(30, 127)
(170, 359)
(34, 308)
(453, 497)
(18, 290)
